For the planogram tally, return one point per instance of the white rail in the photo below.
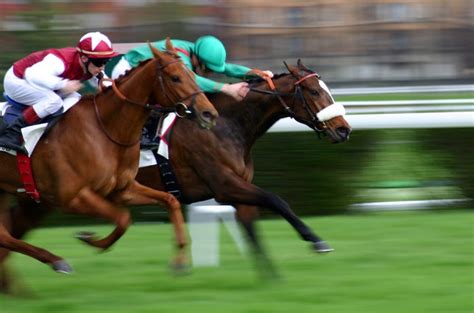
(403, 89)
(443, 113)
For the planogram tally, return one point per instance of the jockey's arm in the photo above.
(240, 71)
(45, 74)
(236, 70)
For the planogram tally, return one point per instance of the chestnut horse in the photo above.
(88, 161)
(217, 163)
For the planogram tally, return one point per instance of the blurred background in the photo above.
(357, 46)
(404, 70)
(367, 41)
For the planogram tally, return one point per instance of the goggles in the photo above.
(99, 62)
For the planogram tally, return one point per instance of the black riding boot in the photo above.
(11, 137)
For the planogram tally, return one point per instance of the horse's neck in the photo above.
(124, 118)
(252, 117)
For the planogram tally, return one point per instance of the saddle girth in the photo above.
(168, 177)
(26, 174)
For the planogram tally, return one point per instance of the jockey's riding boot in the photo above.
(147, 142)
(11, 137)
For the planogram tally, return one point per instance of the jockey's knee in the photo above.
(48, 106)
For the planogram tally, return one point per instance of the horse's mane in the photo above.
(126, 76)
(120, 80)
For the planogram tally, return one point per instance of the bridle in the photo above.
(180, 108)
(188, 111)
(314, 122)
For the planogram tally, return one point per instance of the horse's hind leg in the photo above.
(89, 203)
(5, 276)
(8, 242)
(17, 220)
(42, 255)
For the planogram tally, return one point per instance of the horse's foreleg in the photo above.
(89, 203)
(138, 194)
(236, 190)
(247, 216)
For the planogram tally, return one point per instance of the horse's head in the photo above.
(314, 105)
(176, 87)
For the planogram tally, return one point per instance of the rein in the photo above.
(122, 97)
(274, 92)
(106, 132)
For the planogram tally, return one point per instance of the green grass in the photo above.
(383, 263)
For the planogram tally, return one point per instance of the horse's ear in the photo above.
(302, 66)
(291, 69)
(169, 45)
(156, 52)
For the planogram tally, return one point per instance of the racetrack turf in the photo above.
(384, 262)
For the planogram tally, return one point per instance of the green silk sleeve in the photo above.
(208, 85)
(235, 70)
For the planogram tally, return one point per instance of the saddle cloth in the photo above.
(31, 134)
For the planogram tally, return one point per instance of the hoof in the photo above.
(180, 269)
(85, 236)
(62, 266)
(322, 247)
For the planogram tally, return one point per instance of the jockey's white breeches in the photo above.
(43, 100)
(120, 68)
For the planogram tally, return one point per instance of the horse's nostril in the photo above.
(343, 132)
(208, 116)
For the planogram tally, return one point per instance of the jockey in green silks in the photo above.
(204, 56)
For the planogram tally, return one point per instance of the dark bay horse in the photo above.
(87, 163)
(217, 163)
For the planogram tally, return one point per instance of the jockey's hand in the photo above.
(268, 73)
(261, 73)
(71, 86)
(238, 90)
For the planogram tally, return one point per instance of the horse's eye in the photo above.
(175, 78)
(314, 92)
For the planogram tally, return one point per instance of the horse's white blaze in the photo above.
(326, 88)
(331, 111)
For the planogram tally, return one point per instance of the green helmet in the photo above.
(211, 52)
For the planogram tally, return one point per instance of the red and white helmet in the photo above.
(96, 45)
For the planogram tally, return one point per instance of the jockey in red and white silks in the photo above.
(47, 80)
